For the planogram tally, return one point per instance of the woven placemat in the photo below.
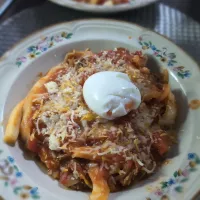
(170, 22)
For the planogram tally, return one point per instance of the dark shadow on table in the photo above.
(145, 16)
(49, 13)
(188, 7)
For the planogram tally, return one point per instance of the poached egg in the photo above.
(111, 94)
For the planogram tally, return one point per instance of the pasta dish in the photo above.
(79, 147)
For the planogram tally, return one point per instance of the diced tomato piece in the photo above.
(68, 180)
(139, 53)
(109, 113)
(129, 106)
(161, 143)
(129, 164)
(64, 178)
(104, 173)
(33, 145)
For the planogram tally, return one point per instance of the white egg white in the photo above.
(110, 92)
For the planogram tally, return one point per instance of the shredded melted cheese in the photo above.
(66, 122)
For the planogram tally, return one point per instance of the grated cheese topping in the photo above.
(51, 87)
(61, 116)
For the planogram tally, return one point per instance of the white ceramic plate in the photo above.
(22, 178)
(133, 4)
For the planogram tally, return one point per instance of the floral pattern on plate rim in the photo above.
(42, 46)
(47, 42)
(10, 175)
(165, 57)
(175, 183)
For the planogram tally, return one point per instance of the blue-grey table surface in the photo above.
(179, 27)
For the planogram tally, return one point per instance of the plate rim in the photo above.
(100, 8)
(5, 56)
